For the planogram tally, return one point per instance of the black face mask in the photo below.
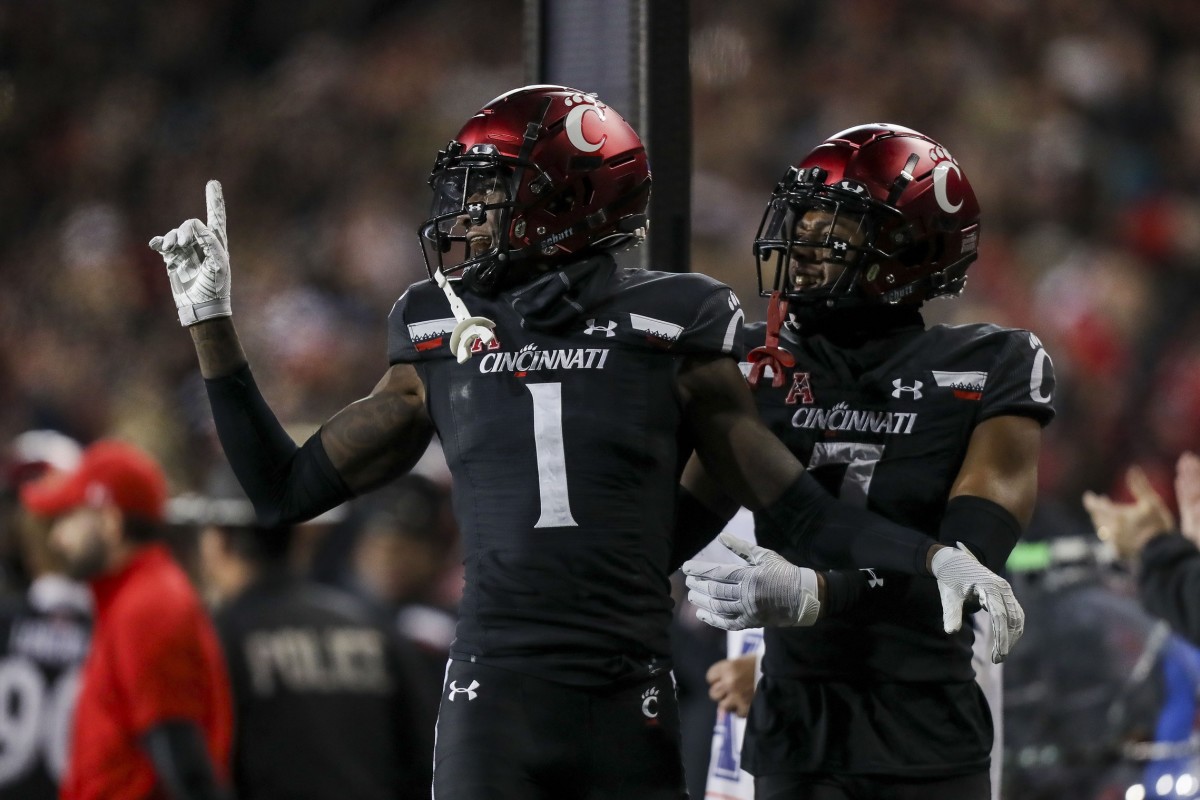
(468, 200)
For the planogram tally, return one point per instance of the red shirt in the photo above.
(154, 657)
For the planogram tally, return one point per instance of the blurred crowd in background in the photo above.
(1077, 122)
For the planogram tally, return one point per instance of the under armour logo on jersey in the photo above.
(873, 580)
(470, 690)
(650, 702)
(607, 330)
(901, 388)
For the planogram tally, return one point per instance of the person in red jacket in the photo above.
(154, 716)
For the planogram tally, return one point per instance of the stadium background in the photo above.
(1077, 121)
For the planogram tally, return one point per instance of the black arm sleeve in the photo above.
(830, 534)
(284, 482)
(695, 526)
(985, 527)
(844, 588)
(176, 748)
(1169, 583)
(988, 529)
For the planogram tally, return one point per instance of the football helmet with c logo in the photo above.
(887, 205)
(539, 176)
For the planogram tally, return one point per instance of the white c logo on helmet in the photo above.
(574, 126)
(939, 186)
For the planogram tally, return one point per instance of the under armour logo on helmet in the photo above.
(606, 329)
(839, 248)
(901, 388)
(470, 690)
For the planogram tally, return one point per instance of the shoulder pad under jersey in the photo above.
(1009, 366)
(419, 324)
(686, 313)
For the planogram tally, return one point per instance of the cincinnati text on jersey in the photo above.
(843, 418)
(530, 359)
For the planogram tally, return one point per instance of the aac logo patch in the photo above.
(801, 390)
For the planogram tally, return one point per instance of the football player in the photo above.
(44, 632)
(566, 393)
(936, 428)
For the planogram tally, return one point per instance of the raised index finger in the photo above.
(215, 200)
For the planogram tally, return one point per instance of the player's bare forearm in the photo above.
(1001, 464)
(218, 347)
(740, 453)
(380, 437)
(705, 489)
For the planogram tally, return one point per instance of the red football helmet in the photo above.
(895, 209)
(541, 174)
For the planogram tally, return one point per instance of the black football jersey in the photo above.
(44, 639)
(565, 448)
(887, 426)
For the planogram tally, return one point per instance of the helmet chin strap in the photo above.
(469, 328)
(770, 353)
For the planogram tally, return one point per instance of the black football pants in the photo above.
(504, 735)
(875, 787)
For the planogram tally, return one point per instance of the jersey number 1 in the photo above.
(551, 457)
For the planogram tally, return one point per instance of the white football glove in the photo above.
(961, 577)
(767, 590)
(197, 257)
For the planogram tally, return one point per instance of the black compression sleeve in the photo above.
(181, 761)
(988, 529)
(830, 534)
(843, 589)
(695, 526)
(284, 482)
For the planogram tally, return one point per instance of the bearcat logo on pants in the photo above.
(650, 702)
(530, 359)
